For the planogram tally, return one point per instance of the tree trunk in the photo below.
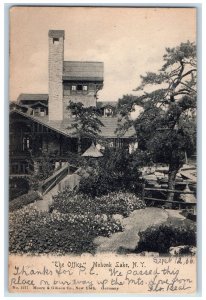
(79, 149)
(173, 170)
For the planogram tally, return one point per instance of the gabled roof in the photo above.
(83, 70)
(107, 131)
(39, 103)
(33, 97)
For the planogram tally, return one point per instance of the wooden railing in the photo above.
(181, 203)
(54, 179)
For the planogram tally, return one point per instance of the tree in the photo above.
(116, 170)
(85, 124)
(166, 126)
(45, 168)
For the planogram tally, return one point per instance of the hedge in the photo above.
(23, 200)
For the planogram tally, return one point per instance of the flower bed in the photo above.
(114, 203)
(23, 200)
(42, 232)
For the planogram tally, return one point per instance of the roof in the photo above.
(107, 131)
(92, 151)
(101, 104)
(39, 103)
(33, 97)
(83, 70)
(110, 126)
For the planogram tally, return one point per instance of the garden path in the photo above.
(138, 220)
(43, 205)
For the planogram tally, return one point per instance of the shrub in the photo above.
(42, 232)
(113, 203)
(17, 187)
(161, 238)
(23, 200)
(116, 170)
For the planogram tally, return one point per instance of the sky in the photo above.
(130, 42)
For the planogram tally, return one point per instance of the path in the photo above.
(138, 220)
(43, 205)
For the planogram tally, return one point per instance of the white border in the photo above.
(4, 162)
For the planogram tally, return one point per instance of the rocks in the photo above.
(185, 249)
(148, 254)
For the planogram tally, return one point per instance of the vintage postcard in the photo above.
(102, 150)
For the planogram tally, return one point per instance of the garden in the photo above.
(71, 224)
(165, 132)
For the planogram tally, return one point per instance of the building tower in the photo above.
(56, 58)
(81, 82)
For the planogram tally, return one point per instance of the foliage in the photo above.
(166, 127)
(112, 203)
(116, 170)
(23, 200)
(160, 238)
(45, 169)
(42, 232)
(17, 187)
(86, 122)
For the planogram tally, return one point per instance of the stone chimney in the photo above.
(56, 58)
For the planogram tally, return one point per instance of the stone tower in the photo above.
(56, 58)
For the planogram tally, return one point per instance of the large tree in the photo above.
(86, 123)
(166, 126)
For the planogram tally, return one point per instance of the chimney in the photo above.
(56, 58)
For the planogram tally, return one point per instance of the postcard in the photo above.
(102, 150)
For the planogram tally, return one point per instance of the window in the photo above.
(73, 87)
(25, 143)
(111, 144)
(41, 109)
(108, 112)
(79, 87)
(56, 41)
(85, 87)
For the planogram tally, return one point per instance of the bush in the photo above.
(23, 200)
(113, 203)
(42, 232)
(116, 170)
(17, 187)
(161, 238)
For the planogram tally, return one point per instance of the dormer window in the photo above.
(56, 41)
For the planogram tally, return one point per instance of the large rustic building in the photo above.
(40, 122)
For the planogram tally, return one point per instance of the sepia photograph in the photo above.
(102, 150)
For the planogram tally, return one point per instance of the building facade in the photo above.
(40, 122)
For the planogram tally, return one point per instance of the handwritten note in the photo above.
(102, 274)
